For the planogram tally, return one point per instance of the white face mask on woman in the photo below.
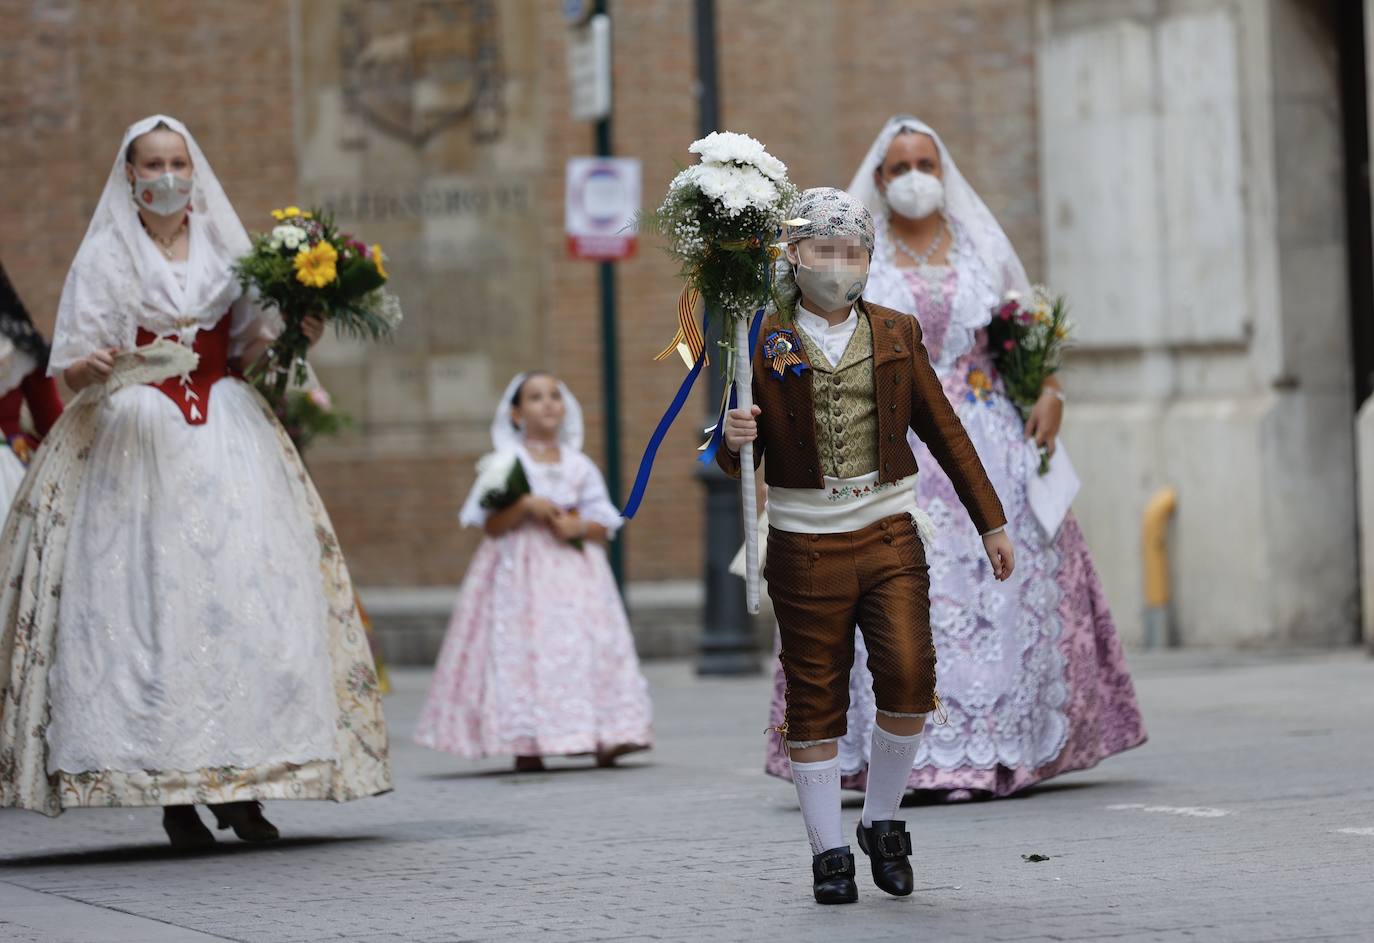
(163, 195)
(834, 286)
(916, 194)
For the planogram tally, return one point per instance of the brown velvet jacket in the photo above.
(908, 395)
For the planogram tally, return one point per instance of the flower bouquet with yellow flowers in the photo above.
(1027, 337)
(304, 266)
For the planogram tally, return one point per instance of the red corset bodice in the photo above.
(192, 393)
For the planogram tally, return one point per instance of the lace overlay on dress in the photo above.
(539, 658)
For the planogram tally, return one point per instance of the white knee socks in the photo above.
(818, 791)
(889, 766)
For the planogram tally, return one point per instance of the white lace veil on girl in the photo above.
(983, 255)
(120, 280)
(506, 436)
(507, 439)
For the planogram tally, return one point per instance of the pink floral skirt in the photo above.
(539, 659)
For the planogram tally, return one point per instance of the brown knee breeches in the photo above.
(822, 585)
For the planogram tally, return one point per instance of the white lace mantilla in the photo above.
(977, 293)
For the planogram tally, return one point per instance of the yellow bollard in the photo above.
(1154, 529)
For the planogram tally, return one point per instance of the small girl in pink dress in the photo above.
(539, 660)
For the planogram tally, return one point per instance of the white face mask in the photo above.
(834, 286)
(916, 194)
(163, 195)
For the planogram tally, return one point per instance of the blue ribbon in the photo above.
(718, 433)
(646, 464)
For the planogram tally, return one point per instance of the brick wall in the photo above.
(813, 79)
(74, 75)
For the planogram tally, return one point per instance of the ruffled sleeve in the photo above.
(593, 501)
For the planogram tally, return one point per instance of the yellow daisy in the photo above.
(316, 266)
(278, 215)
(292, 211)
(377, 258)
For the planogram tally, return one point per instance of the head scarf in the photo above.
(120, 281)
(17, 327)
(825, 212)
(506, 436)
(987, 264)
(820, 213)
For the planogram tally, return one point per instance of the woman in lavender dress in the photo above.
(1031, 670)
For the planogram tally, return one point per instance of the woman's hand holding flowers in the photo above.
(1045, 418)
(313, 328)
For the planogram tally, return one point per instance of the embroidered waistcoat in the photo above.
(846, 412)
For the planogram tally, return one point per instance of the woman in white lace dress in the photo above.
(205, 648)
(1030, 670)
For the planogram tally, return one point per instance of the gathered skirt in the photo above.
(177, 623)
(538, 659)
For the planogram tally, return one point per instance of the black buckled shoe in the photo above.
(888, 845)
(833, 875)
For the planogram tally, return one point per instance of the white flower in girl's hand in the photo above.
(493, 470)
(501, 480)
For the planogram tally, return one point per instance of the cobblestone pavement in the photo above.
(1249, 816)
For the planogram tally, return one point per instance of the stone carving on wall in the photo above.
(415, 68)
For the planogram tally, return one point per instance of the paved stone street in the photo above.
(1249, 816)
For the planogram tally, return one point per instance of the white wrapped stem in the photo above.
(744, 392)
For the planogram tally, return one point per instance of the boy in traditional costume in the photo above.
(837, 384)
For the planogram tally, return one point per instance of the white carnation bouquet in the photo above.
(721, 216)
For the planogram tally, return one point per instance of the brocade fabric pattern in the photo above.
(190, 632)
(846, 415)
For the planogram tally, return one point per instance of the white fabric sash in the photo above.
(846, 504)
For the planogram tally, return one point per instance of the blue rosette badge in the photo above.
(780, 351)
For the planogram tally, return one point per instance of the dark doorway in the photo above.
(1350, 28)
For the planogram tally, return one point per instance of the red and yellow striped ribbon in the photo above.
(688, 341)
